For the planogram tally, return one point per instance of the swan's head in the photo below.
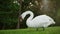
(20, 18)
(23, 15)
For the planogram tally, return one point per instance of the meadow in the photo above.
(49, 30)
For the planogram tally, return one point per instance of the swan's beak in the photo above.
(21, 19)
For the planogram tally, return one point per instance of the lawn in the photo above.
(49, 30)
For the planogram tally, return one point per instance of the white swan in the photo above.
(39, 21)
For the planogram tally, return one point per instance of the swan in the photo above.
(37, 22)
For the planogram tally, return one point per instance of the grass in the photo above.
(49, 30)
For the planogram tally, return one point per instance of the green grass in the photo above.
(49, 30)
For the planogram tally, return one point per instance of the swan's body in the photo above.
(39, 21)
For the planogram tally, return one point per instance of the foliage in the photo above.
(8, 14)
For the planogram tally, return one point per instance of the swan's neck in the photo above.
(26, 13)
(31, 17)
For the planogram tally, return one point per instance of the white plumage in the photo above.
(39, 21)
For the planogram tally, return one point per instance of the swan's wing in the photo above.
(42, 18)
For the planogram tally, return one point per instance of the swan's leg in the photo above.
(36, 29)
